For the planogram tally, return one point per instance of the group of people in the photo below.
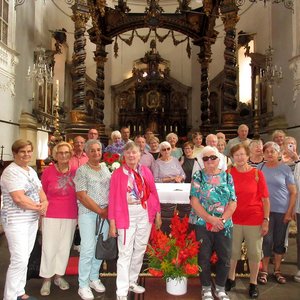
(242, 190)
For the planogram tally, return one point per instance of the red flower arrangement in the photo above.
(112, 160)
(173, 256)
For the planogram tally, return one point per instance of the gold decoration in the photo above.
(144, 38)
(129, 40)
(101, 6)
(116, 47)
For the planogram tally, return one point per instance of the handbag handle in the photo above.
(99, 223)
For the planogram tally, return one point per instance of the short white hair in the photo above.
(207, 149)
(164, 145)
(115, 133)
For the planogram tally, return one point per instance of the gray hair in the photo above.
(89, 143)
(115, 133)
(164, 144)
(210, 149)
(271, 145)
(172, 134)
(130, 146)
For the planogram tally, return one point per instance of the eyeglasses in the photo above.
(64, 153)
(207, 158)
(166, 149)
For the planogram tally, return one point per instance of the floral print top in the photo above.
(214, 193)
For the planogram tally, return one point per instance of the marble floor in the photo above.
(155, 287)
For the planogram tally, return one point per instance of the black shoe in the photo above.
(229, 284)
(253, 290)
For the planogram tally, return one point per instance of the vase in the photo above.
(176, 286)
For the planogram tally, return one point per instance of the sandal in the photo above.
(262, 277)
(279, 278)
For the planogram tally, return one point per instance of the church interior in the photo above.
(180, 66)
(171, 66)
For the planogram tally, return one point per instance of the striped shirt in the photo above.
(95, 183)
(14, 178)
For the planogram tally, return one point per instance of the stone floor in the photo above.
(155, 287)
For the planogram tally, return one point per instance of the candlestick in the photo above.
(57, 93)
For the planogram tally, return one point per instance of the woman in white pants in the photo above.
(23, 201)
(59, 223)
(133, 207)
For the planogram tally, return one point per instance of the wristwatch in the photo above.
(267, 219)
(223, 221)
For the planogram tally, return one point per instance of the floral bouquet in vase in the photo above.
(174, 256)
(112, 160)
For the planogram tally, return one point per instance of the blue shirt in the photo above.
(278, 179)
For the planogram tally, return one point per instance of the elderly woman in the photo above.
(117, 143)
(167, 168)
(154, 146)
(197, 140)
(213, 202)
(187, 161)
(92, 185)
(297, 218)
(58, 225)
(282, 190)
(251, 217)
(133, 207)
(289, 154)
(278, 137)
(23, 202)
(221, 145)
(256, 153)
(172, 138)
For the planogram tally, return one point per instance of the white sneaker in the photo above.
(221, 295)
(98, 286)
(121, 297)
(297, 276)
(136, 288)
(85, 293)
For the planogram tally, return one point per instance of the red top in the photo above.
(249, 191)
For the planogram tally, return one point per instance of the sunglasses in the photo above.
(207, 158)
(166, 149)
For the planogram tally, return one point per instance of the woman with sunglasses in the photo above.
(213, 202)
(167, 168)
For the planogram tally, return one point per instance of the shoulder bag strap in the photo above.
(99, 223)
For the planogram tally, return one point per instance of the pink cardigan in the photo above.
(118, 206)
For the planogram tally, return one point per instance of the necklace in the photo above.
(95, 167)
(64, 169)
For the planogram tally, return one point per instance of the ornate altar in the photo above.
(151, 98)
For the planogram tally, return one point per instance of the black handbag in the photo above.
(105, 249)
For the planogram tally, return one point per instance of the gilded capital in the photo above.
(80, 19)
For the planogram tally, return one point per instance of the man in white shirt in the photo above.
(242, 131)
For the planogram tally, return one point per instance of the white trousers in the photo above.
(20, 238)
(132, 244)
(57, 241)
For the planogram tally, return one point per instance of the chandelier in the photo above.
(287, 3)
(42, 71)
(272, 73)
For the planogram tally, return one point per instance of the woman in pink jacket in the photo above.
(133, 207)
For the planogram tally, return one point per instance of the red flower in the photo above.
(156, 273)
(191, 269)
